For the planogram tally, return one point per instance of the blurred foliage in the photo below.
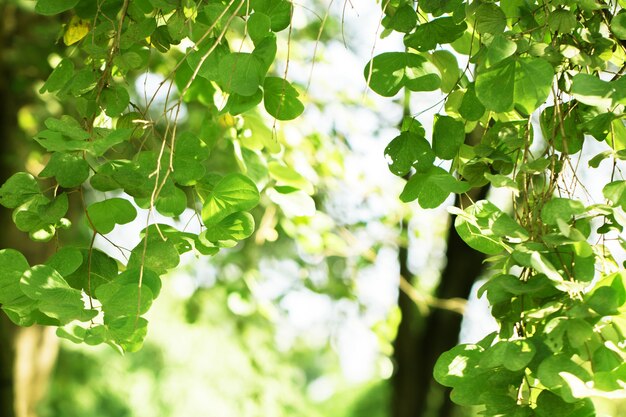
(222, 364)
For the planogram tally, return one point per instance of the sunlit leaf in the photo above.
(233, 193)
(281, 99)
(408, 150)
(525, 82)
(431, 187)
(387, 73)
(18, 189)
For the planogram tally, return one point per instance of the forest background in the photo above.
(279, 301)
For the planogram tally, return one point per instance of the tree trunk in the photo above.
(7, 355)
(421, 340)
(406, 385)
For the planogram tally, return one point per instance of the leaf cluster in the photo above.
(555, 288)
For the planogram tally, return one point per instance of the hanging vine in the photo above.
(542, 85)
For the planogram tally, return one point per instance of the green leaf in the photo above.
(550, 405)
(459, 368)
(129, 60)
(12, 265)
(502, 181)
(61, 141)
(483, 225)
(617, 138)
(525, 82)
(455, 365)
(403, 20)
(210, 66)
(618, 25)
(68, 126)
(137, 32)
(606, 300)
(61, 75)
(499, 49)
(567, 122)
(432, 187)
(124, 299)
(104, 215)
(266, 50)
(134, 177)
(279, 12)
(55, 297)
(532, 255)
(18, 189)
(160, 255)
(471, 108)
(489, 18)
(23, 312)
(387, 73)
(233, 193)
(561, 209)
(562, 21)
(438, 7)
(614, 191)
(578, 331)
(161, 39)
(189, 154)
(238, 104)
(128, 332)
(176, 26)
(513, 355)
(281, 99)
(52, 7)
(183, 242)
(40, 216)
(237, 226)
(241, 73)
(132, 120)
(550, 369)
(97, 268)
(115, 99)
(106, 139)
(597, 160)
(448, 66)
(448, 136)
(66, 260)
(595, 122)
(69, 170)
(514, 285)
(409, 150)
(259, 26)
(83, 82)
(428, 35)
(149, 279)
(591, 90)
(172, 201)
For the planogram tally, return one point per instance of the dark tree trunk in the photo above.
(421, 339)
(406, 386)
(7, 354)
